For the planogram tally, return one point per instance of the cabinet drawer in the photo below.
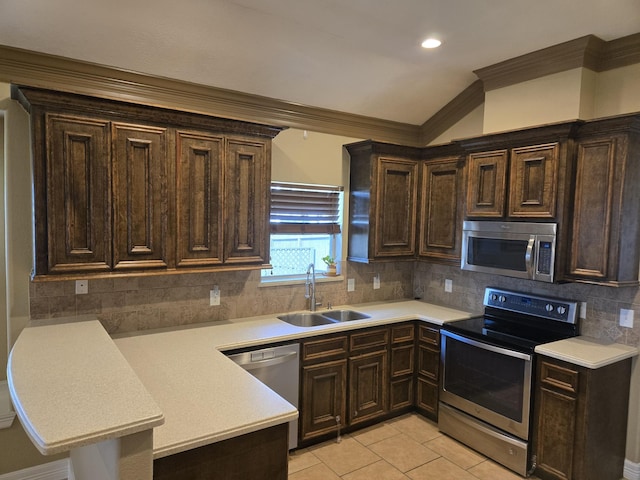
(402, 358)
(429, 335)
(324, 348)
(559, 377)
(371, 338)
(402, 333)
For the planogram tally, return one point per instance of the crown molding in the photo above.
(588, 52)
(28, 68)
(454, 111)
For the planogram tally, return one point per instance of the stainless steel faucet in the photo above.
(310, 287)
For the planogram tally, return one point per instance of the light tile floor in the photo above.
(407, 447)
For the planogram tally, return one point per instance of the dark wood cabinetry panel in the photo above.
(78, 170)
(395, 233)
(383, 185)
(368, 386)
(126, 188)
(248, 201)
(533, 181)
(604, 246)
(428, 370)
(486, 187)
(260, 455)
(572, 438)
(141, 207)
(199, 198)
(323, 405)
(441, 210)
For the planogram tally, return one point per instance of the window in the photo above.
(305, 226)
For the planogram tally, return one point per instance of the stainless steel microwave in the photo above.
(514, 249)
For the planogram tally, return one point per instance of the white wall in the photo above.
(470, 126)
(618, 91)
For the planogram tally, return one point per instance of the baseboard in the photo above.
(631, 470)
(58, 470)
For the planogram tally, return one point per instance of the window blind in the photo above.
(300, 208)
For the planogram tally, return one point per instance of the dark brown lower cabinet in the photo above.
(428, 371)
(402, 367)
(580, 420)
(368, 386)
(261, 455)
(323, 400)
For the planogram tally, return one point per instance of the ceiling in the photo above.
(354, 56)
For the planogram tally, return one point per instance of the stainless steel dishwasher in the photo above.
(278, 369)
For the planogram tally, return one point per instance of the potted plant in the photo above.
(331, 265)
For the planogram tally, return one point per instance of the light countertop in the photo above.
(587, 352)
(71, 386)
(223, 400)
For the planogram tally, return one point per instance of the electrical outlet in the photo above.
(82, 287)
(583, 310)
(626, 318)
(376, 282)
(214, 296)
(351, 285)
(448, 285)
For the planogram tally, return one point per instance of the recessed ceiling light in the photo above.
(431, 43)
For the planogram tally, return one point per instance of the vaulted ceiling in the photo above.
(355, 56)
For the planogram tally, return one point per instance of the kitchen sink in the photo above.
(306, 319)
(344, 315)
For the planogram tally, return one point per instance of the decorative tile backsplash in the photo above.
(603, 303)
(141, 303)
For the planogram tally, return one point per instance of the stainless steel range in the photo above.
(488, 362)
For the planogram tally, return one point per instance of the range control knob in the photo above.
(494, 297)
(561, 309)
(548, 307)
(502, 298)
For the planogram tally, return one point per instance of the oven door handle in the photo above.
(486, 346)
(528, 256)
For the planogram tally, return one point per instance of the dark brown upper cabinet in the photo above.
(522, 175)
(127, 188)
(441, 205)
(382, 201)
(604, 246)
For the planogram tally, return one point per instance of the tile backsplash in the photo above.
(603, 303)
(128, 304)
(140, 303)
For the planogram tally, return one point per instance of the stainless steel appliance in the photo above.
(278, 368)
(514, 249)
(487, 372)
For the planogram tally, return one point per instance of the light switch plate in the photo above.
(351, 285)
(376, 282)
(583, 310)
(626, 318)
(448, 285)
(214, 296)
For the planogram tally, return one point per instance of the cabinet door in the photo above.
(442, 210)
(532, 180)
(427, 397)
(140, 197)
(247, 200)
(487, 184)
(323, 398)
(199, 199)
(395, 217)
(78, 205)
(556, 429)
(599, 216)
(368, 386)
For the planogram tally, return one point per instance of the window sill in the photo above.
(279, 282)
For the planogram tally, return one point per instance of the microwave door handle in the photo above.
(528, 256)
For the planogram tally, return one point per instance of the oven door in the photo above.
(488, 382)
